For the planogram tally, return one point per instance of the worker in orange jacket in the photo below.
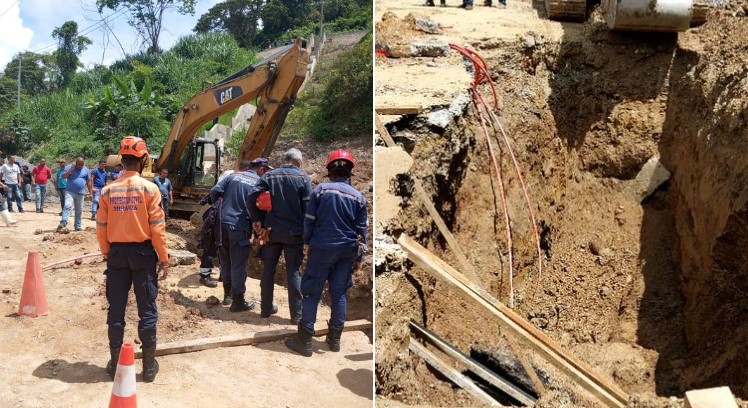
(131, 230)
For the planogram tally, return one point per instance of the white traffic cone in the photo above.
(9, 220)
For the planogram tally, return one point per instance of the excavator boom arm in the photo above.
(274, 83)
(271, 113)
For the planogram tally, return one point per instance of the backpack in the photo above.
(210, 232)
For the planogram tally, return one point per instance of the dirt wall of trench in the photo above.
(649, 293)
(704, 144)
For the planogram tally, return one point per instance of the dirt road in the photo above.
(58, 360)
(436, 81)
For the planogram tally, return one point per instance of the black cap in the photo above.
(259, 162)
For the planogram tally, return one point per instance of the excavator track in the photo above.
(567, 10)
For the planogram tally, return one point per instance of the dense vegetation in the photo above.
(342, 106)
(140, 94)
(65, 112)
(262, 23)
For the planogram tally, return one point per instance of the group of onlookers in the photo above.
(71, 182)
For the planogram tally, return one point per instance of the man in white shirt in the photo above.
(11, 177)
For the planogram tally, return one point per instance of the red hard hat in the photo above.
(133, 146)
(339, 158)
(264, 202)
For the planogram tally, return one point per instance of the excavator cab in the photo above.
(194, 163)
(198, 172)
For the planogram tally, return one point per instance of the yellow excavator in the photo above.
(194, 164)
(631, 15)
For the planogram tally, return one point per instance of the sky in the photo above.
(27, 25)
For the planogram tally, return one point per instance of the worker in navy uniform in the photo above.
(289, 189)
(236, 229)
(335, 230)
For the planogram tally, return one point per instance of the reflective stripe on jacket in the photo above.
(130, 211)
(289, 189)
(335, 216)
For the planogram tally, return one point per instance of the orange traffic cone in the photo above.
(33, 297)
(123, 389)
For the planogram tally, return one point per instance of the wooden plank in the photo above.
(399, 110)
(720, 397)
(453, 375)
(52, 265)
(188, 346)
(481, 371)
(607, 392)
(435, 216)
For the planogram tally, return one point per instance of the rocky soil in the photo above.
(648, 292)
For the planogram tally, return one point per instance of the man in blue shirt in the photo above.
(96, 183)
(335, 230)
(164, 185)
(289, 189)
(118, 170)
(235, 231)
(61, 184)
(77, 176)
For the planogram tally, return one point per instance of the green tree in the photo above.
(147, 16)
(69, 46)
(240, 18)
(36, 72)
(276, 19)
(7, 93)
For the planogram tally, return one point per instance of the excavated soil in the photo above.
(58, 360)
(649, 293)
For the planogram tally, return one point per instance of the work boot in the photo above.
(207, 281)
(227, 294)
(333, 337)
(7, 218)
(302, 343)
(443, 3)
(238, 303)
(429, 3)
(272, 312)
(111, 366)
(488, 3)
(150, 365)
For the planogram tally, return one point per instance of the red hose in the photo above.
(482, 75)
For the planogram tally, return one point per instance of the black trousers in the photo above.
(132, 265)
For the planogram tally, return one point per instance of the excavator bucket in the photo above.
(629, 15)
(648, 15)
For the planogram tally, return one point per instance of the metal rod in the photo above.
(480, 370)
(455, 376)
(20, 57)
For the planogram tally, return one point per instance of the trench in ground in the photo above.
(650, 293)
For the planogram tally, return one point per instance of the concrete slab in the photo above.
(720, 397)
